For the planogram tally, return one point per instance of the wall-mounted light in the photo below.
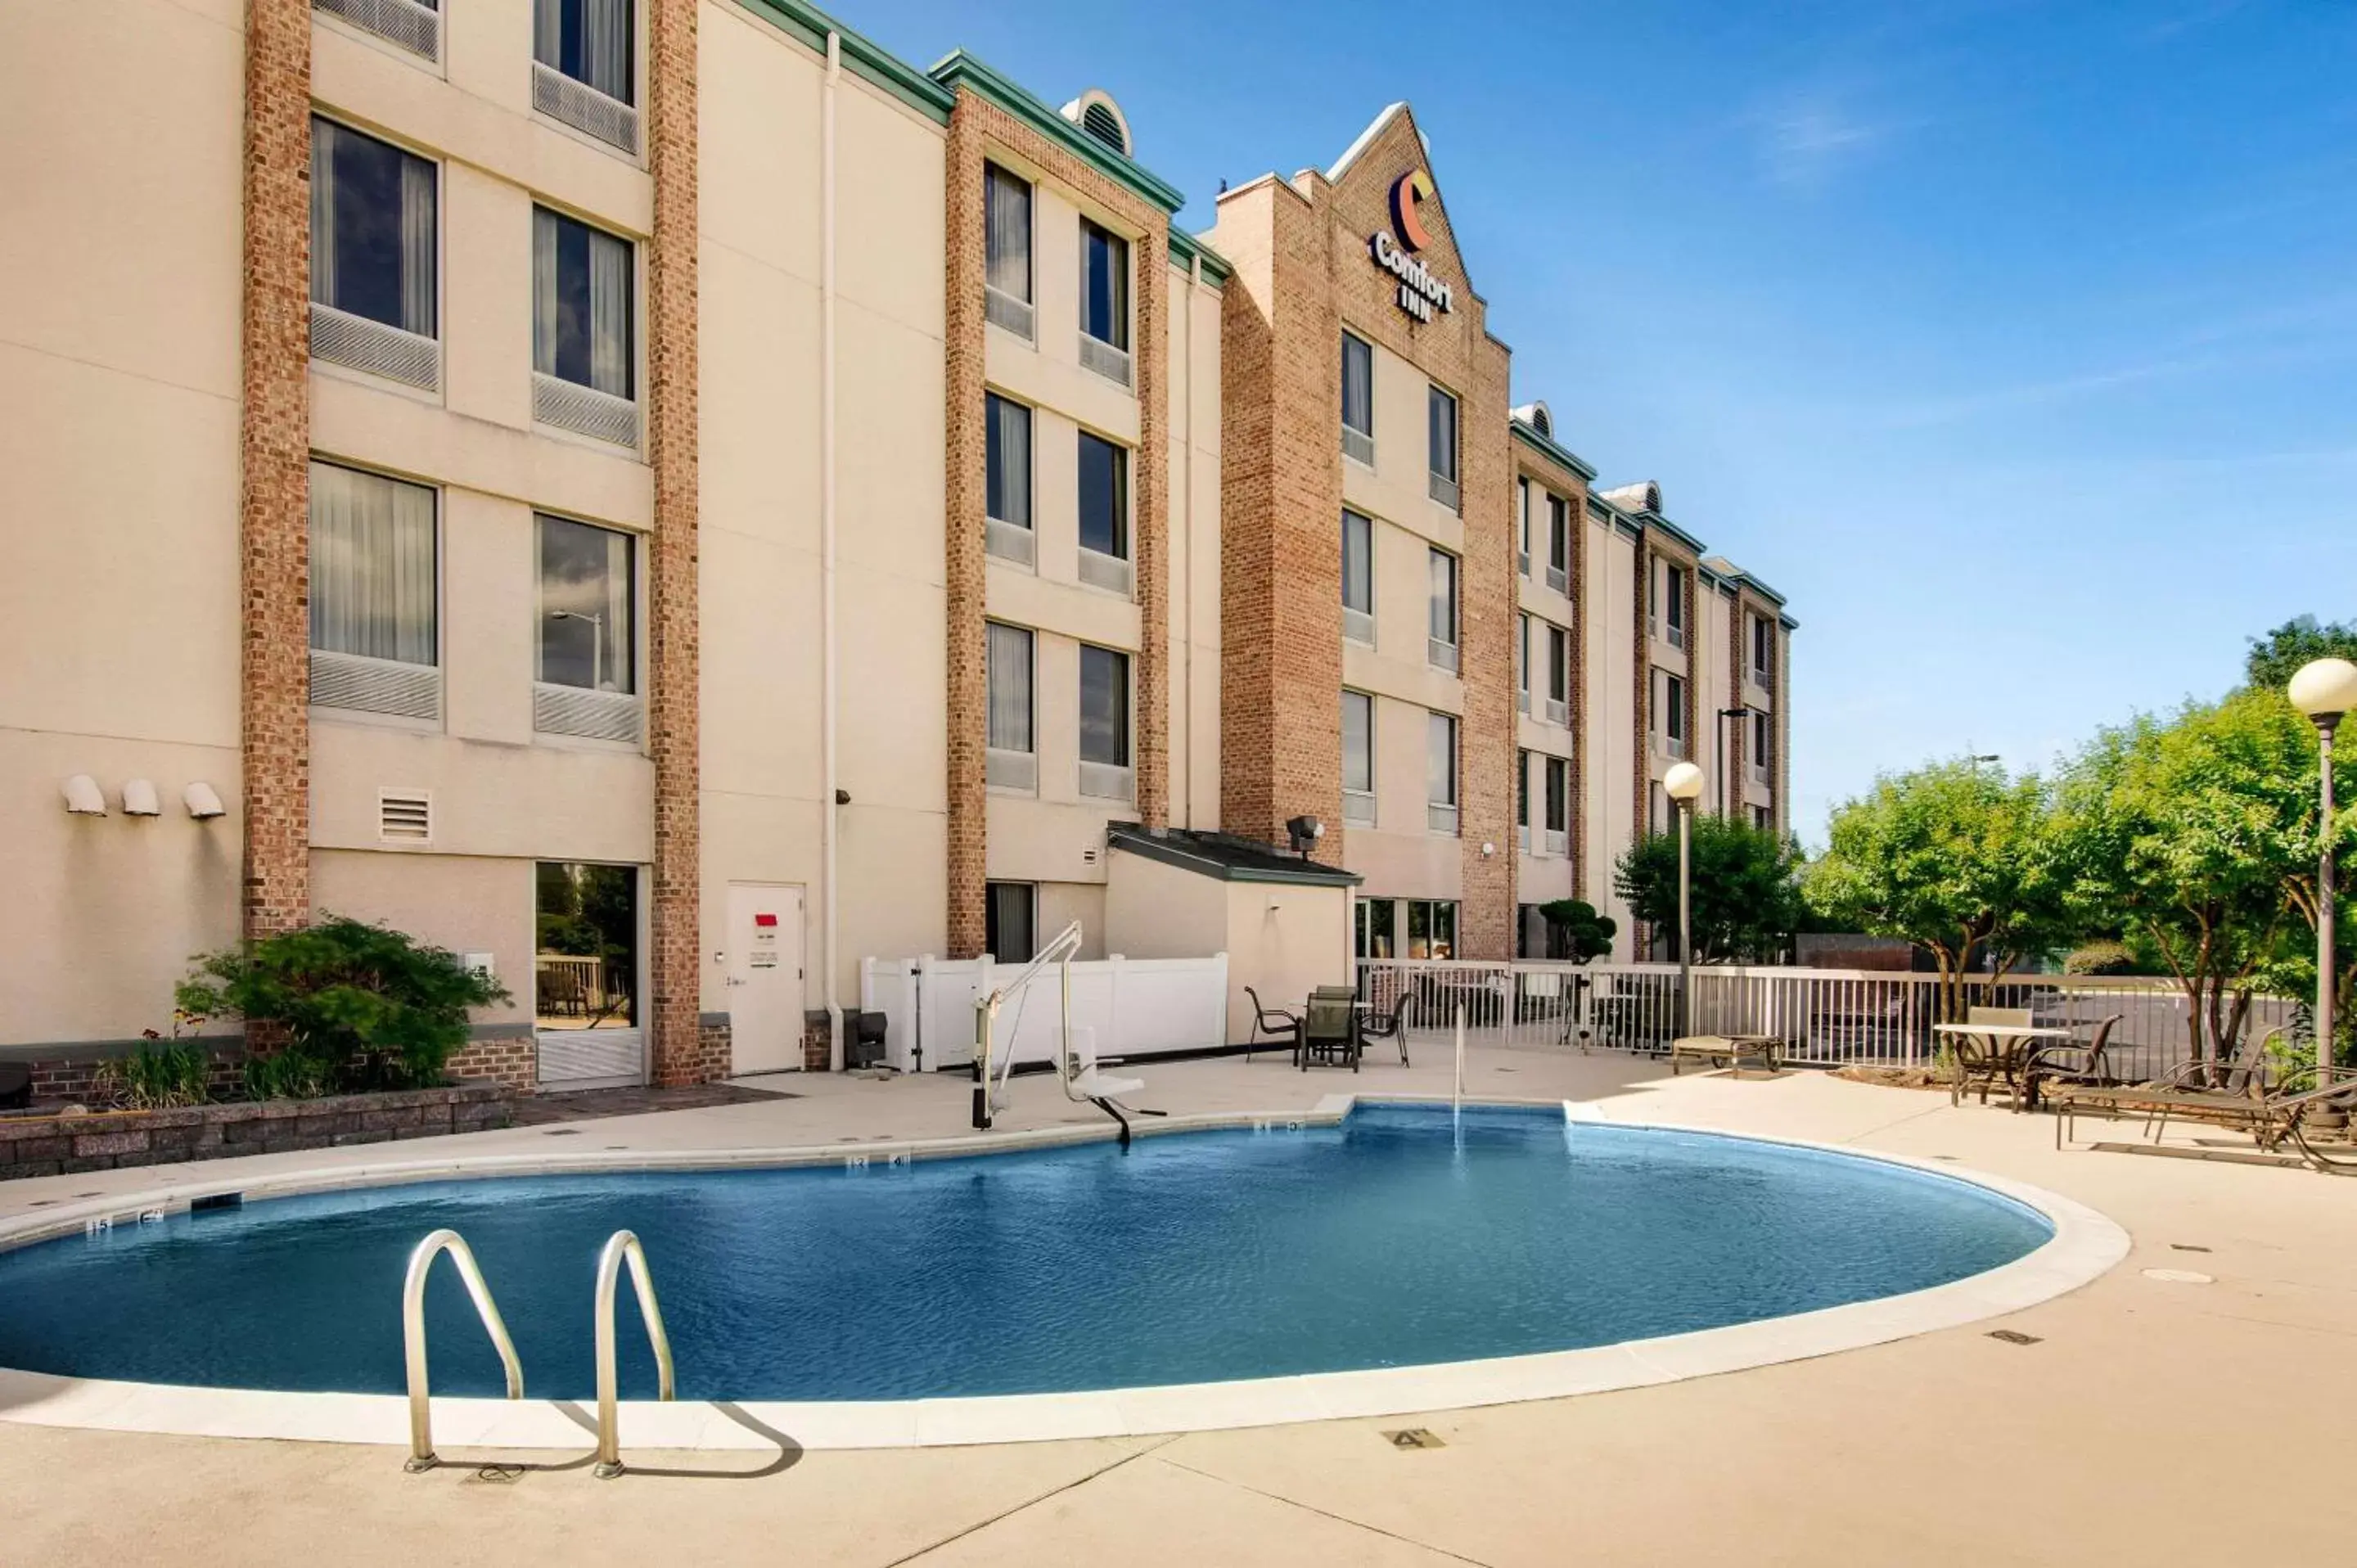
(83, 797)
(202, 801)
(139, 798)
(1488, 849)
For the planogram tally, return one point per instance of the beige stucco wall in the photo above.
(464, 902)
(761, 262)
(1153, 910)
(1607, 621)
(1283, 941)
(119, 383)
(1194, 600)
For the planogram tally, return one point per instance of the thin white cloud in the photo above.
(1803, 142)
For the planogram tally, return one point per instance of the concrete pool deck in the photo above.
(2130, 1431)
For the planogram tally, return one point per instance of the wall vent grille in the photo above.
(342, 338)
(583, 107)
(355, 681)
(593, 715)
(1006, 310)
(1106, 361)
(404, 816)
(585, 411)
(405, 23)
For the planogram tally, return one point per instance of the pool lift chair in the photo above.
(1076, 1069)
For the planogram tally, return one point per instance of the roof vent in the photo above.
(404, 816)
(1095, 113)
(1537, 415)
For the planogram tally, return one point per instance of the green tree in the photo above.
(1956, 859)
(1746, 888)
(1575, 931)
(2273, 658)
(2196, 839)
(364, 1006)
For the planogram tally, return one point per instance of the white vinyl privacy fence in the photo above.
(1829, 1017)
(1138, 1007)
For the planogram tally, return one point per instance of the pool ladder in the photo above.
(621, 1247)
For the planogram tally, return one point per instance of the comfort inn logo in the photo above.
(1420, 293)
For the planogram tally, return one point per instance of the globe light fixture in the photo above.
(2324, 690)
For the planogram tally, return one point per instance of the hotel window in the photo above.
(1523, 800)
(374, 636)
(1358, 759)
(1006, 251)
(1558, 571)
(583, 332)
(1007, 480)
(1013, 761)
(1104, 724)
(412, 25)
(1763, 747)
(585, 957)
(1104, 514)
(1357, 579)
(1669, 714)
(1522, 527)
(1431, 927)
(372, 257)
(588, 665)
(1558, 676)
(1763, 649)
(1764, 819)
(1440, 647)
(1657, 808)
(1009, 920)
(1105, 302)
(1441, 411)
(1522, 662)
(1378, 921)
(1358, 399)
(582, 72)
(1557, 822)
(1669, 615)
(1440, 773)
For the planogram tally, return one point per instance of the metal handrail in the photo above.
(413, 1335)
(620, 1246)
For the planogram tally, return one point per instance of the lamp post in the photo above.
(2324, 690)
(1683, 784)
(597, 644)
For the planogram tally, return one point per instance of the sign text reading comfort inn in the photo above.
(1420, 293)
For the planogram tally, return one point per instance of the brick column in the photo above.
(1730, 788)
(1490, 604)
(1149, 531)
(679, 1054)
(961, 544)
(274, 478)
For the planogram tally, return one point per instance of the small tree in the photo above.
(364, 1006)
(1954, 858)
(1746, 888)
(2275, 657)
(1575, 926)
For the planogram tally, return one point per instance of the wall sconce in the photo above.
(202, 801)
(83, 797)
(1488, 850)
(139, 800)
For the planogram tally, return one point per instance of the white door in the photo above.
(765, 977)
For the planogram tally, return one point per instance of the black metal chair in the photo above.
(1276, 1023)
(1330, 1032)
(1391, 1027)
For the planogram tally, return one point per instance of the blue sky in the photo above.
(2016, 343)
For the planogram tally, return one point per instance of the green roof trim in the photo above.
(1655, 520)
(1560, 456)
(1226, 857)
(863, 57)
(959, 69)
(1186, 249)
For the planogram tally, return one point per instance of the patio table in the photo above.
(2009, 1046)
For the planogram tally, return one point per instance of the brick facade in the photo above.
(273, 471)
(509, 1057)
(977, 125)
(1542, 471)
(675, 944)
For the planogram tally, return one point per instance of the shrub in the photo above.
(364, 1006)
(161, 1074)
(1575, 931)
(2100, 958)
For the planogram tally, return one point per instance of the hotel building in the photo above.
(668, 500)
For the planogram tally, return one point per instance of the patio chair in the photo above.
(1390, 1026)
(1329, 1028)
(2070, 1062)
(2196, 1089)
(1978, 1061)
(1273, 1022)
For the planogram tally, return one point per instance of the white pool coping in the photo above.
(2085, 1244)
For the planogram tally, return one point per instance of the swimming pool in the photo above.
(1396, 1237)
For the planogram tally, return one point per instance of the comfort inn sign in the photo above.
(1420, 293)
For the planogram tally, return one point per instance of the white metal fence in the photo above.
(1828, 1017)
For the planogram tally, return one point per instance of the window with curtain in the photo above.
(1674, 595)
(1358, 743)
(1358, 385)
(1763, 738)
(1558, 643)
(1559, 534)
(1006, 440)
(1010, 688)
(373, 566)
(1444, 598)
(1008, 925)
(591, 41)
(1523, 525)
(1442, 409)
(1007, 233)
(1674, 707)
(1763, 648)
(1558, 795)
(1104, 284)
(372, 225)
(1523, 659)
(588, 632)
(1105, 497)
(1104, 706)
(1440, 760)
(582, 304)
(1523, 792)
(1358, 562)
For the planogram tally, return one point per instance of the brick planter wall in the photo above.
(110, 1140)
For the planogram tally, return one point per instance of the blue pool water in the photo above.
(1396, 1237)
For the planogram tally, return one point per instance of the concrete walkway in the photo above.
(2152, 1421)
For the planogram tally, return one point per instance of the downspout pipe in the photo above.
(832, 803)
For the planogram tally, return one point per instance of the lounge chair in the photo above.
(2070, 1062)
(1389, 1027)
(1276, 1023)
(2237, 1095)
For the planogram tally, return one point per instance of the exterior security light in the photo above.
(202, 801)
(139, 800)
(83, 797)
(2325, 689)
(1682, 782)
